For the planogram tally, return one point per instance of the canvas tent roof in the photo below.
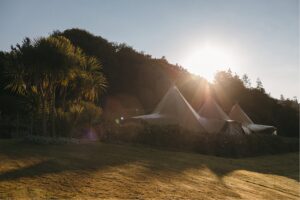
(257, 128)
(239, 115)
(249, 126)
(212, 125)
(211, 110)
(214, 115)
(233, 128)
(174, 109)
(217, 120)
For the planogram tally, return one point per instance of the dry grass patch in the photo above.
(126, 172)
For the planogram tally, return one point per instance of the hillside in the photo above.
(137, 82)
(128, 172)
(132, 84)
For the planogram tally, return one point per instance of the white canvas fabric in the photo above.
(233, 128)
(211, 125)
(246, 130)
(249, 126)
(217, 120)
(211, 110)
(258, 128)
(174, 109)
(239, 115)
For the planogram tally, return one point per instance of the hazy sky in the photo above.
(257, 37)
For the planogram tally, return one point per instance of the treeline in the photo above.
(134, 82)
(47, 86)
(260, 106)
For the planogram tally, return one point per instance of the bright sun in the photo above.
(207, 59)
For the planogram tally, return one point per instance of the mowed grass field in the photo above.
(107, 171)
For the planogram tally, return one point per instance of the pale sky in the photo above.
(256, 37)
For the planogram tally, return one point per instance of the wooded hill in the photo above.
(136, 82)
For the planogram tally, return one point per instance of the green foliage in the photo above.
(128, 71)
(174, 137)
(79, 117)
(261, 108)
(66, 65)
(90, 115)
(246, 80)
(52, 73)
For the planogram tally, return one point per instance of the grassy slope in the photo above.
(120, 171)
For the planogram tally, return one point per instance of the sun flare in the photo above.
(206, 60)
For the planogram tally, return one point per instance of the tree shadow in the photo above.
(92, 157)
(38, 169)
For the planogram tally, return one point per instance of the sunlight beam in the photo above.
(205, 60)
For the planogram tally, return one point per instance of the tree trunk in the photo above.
(53, 115)
(44, 120)
(64, 101)
(18, 125)
(31, 124)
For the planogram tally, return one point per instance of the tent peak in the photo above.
(211, 109)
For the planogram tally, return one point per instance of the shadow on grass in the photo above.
(92, 157)
(37, 169)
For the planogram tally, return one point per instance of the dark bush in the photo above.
(221, 144)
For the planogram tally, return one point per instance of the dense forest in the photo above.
(73, 77)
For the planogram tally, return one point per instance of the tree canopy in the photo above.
(61, 71)
(52, 74)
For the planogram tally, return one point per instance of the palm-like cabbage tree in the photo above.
(94, 83)
(52, 66)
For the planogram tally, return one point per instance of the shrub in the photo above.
(35, 139)
(220, 144)
(78, 120)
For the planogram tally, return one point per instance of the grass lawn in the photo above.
(120, 171)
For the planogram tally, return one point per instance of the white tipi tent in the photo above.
(211, 110)
(217, 119)
(174, 109)
(239, 115)
(249, 126)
